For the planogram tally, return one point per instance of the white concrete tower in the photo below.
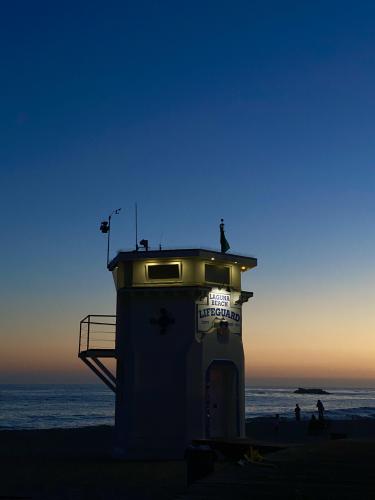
(180, 360)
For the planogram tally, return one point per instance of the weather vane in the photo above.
(105, 228)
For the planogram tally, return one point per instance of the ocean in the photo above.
(67, 405)
(344, 404)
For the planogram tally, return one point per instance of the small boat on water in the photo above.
(302, 390)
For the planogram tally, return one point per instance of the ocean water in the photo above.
(345, 404)
(47, 406)
(61, 406)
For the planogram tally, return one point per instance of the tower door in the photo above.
(222, 410)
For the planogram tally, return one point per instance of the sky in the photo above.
(261, 112)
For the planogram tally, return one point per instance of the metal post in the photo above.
(105, 227)
(80, 336)
(136, 227)
(108, 238)
(88, 331)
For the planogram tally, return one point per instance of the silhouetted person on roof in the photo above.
(320, 407)
(297, 412)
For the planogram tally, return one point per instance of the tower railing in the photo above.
(97, 332)
(97, 340)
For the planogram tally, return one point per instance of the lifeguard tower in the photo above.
(178, 349)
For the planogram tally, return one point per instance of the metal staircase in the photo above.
(97, 339)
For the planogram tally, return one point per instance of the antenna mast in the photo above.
(136, 227)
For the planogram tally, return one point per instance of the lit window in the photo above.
(217, 274)
(163, 271)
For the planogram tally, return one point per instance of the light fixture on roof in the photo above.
(144, 244)
(212, 258)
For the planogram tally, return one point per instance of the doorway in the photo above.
(222, 412)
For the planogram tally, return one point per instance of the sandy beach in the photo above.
(327, 470)
(77, 464)
(292, 432)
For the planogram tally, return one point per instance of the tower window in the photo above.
(163, 271)
(217, 274)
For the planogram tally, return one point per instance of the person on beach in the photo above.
(297, 412)
(320, 407)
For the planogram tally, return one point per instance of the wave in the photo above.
(351, 413)
(358, 413)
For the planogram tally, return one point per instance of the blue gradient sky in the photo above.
(258, 112)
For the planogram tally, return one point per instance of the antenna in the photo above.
(161, 237)
(136, 227)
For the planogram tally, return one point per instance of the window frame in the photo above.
(164, 280)
(218, 282)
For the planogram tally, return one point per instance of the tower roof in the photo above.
(199, 253)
